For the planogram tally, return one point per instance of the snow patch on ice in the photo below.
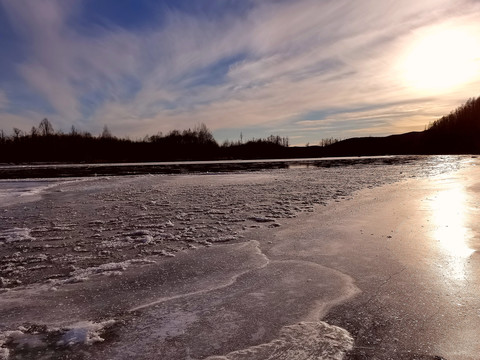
(16, 234)
(224, 238)
(40, 337)
(96, 222)
(21, 191)
(4, 353)
(303, 341)
(261, 219)
(140, 236)
(84, 332)
(166, 253)
(79, 275)
(5, 282)
(109, 269)
(21, 340)
(169, 223)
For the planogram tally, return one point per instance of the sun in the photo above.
(442, 60)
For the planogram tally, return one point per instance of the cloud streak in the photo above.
(264, 68)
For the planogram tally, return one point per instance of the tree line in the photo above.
(455, 133)
(44, 144)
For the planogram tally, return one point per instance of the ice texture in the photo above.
(99, 221)
(303, 341)
(94, 231)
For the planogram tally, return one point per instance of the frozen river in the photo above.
(226, 265)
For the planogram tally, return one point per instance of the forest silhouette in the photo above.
(455, 133)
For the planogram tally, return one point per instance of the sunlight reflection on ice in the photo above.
(449, 209)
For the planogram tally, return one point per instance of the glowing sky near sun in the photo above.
(305, 69)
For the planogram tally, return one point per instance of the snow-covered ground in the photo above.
(73, 237)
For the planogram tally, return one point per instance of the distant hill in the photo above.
(409, 143)
(455, 133)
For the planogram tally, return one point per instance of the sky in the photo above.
(302, 69)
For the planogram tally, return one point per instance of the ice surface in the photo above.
(87, 231)
(303, 341)
(84, 224)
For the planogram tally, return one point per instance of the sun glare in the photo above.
(449, 210)
(441, 60)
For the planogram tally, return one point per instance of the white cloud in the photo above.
(293, 58)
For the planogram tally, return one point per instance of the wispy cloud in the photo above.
(266, 67)
(3, 100)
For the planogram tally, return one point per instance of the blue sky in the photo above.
(304, 69)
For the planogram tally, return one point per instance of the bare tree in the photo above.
(204, 134)
(17, 133)
(73, 131)
(328, 141)
(45, 128)
(106, 134)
